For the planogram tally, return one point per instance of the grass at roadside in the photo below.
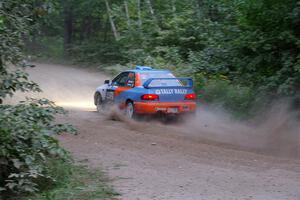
(75, 182)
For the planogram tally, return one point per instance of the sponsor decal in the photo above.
(109, 95)
(171, 91)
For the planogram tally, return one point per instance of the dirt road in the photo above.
(150, 160)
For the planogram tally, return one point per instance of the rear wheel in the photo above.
(129, 111)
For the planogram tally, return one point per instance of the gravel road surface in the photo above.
(209, 159)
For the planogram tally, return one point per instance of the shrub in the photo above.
(27, 143)
(75, 182)
(237, 99)
(46, 47)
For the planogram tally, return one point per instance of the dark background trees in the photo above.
(250, 44)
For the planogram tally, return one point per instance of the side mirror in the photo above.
(106, 82)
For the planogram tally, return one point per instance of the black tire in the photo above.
(130, 111)
(99, 103)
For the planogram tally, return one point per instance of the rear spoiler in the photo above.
(186, 83)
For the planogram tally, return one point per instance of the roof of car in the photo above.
(140, 69)
(155, 70)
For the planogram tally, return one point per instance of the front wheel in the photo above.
(99, 103)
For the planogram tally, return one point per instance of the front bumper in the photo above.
(165, 107)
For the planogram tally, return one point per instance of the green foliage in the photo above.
(27, 144)
(27, 130)
(74, 182)
(235, 98)
(93, 51)
(10, 82)
(259, 49)
(48, 47)
(14, 21)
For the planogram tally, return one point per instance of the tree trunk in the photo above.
(127, 14)
(150, 8)
(199, 9)
(173, 8)
(105, 30)
(2, 72)
(174, 13)
(68, 25)
(139, 14)
(152, 13)
(112, 23)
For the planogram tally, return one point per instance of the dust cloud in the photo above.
(276, 131)
(68, 86)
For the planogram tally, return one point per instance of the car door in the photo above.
(121, 83)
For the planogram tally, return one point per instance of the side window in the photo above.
(130, 80)
(125, 79)
(121, 79)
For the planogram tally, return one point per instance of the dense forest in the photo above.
(241, 54)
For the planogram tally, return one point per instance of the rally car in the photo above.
(147, 91)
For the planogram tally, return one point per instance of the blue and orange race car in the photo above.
(147, 91)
